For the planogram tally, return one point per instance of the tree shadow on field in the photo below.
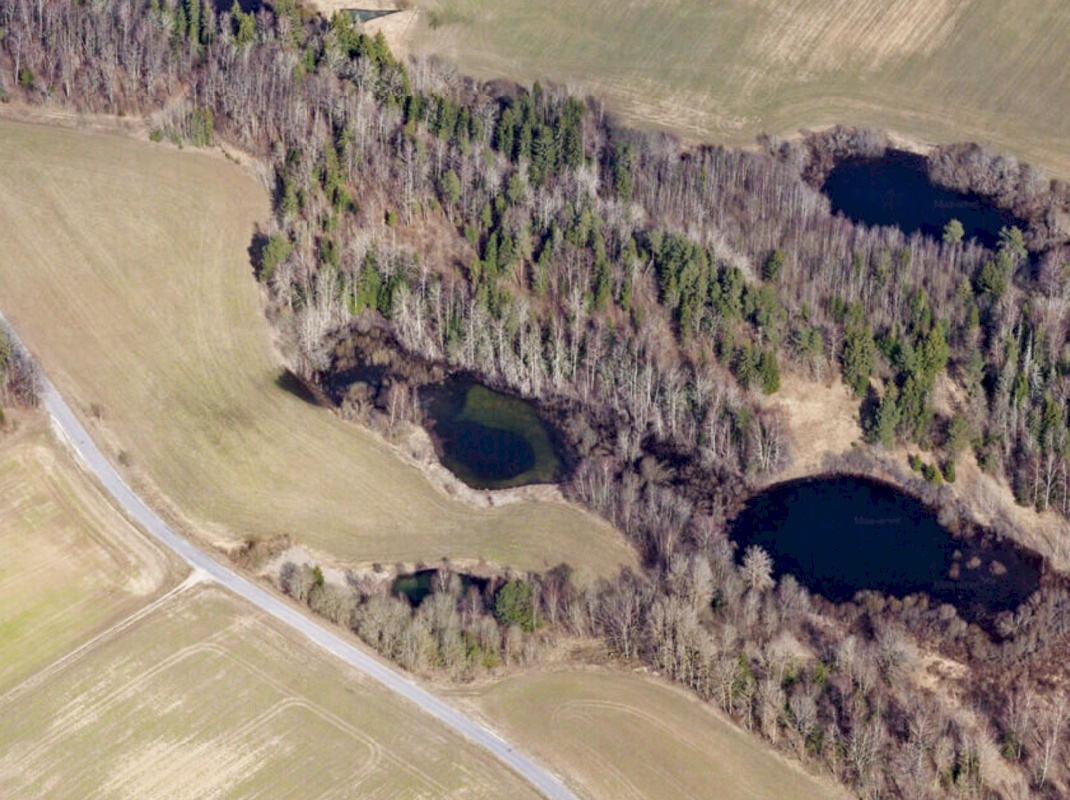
(291, 384)
(867, 411)
(256, 251)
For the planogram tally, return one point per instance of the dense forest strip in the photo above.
(646, 295)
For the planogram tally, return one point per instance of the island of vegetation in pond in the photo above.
(487, 439)
(841, 535)
(895, 189)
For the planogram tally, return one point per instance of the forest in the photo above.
(645, 295)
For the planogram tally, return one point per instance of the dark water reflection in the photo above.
(895, 190)
(841, 535)
(415, 586)
(487, 439)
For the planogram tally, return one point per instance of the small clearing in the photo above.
(822, 419)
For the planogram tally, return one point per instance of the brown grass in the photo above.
(822, 420)
(626, 736)
(125, 268)
(936, 70)
(204, 697)
(70, 564)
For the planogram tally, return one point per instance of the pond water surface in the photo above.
(895, 190)
(841, 535)
(488, 439)
(415, 586)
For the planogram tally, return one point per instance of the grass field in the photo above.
(725, 70)
(69, 563)
(625, 736)
(125, 268)
(202, 697)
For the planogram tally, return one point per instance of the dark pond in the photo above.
(418, 585)
(840, 535)
(487, 439)
(895, 190)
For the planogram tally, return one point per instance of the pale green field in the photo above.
(625, 736)
(125, 268)
(69, 563)
(725, 70)
(203, 697)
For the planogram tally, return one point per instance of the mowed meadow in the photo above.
(201, 696)
(726, 70)
(126, 271)
(627, 736)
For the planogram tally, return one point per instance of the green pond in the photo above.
(488, 439)
(415, 586)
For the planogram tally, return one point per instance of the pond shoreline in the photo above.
(898, 189)
(843, 534)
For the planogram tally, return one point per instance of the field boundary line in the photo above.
(82, 650)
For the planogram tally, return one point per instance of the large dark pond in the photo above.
(487, 439)
(840, 535)
(895, 190)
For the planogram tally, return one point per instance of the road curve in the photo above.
(77, 437)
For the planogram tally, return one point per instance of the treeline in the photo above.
(645, 294)
(19, 376)
(737, 639)
(461, 630)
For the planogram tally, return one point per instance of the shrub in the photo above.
(513, 605)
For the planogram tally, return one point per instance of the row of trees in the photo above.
(19, 376)
(461, 631)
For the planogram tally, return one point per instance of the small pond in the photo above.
(841, 535)
(418, 585)
(895, 190)
(488, 439)
(368, 14)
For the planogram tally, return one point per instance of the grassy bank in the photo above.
(126, 270)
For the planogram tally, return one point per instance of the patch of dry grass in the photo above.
(125, 268)
(69, 563)
(626, 736)
(204, 697)
(937, 70)
(822, 419)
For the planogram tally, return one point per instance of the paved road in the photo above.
(83, 445)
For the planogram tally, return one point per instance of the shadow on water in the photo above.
(841, 535)
(488, 439)
(415, 586)
(895, 190)
(339, 383)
